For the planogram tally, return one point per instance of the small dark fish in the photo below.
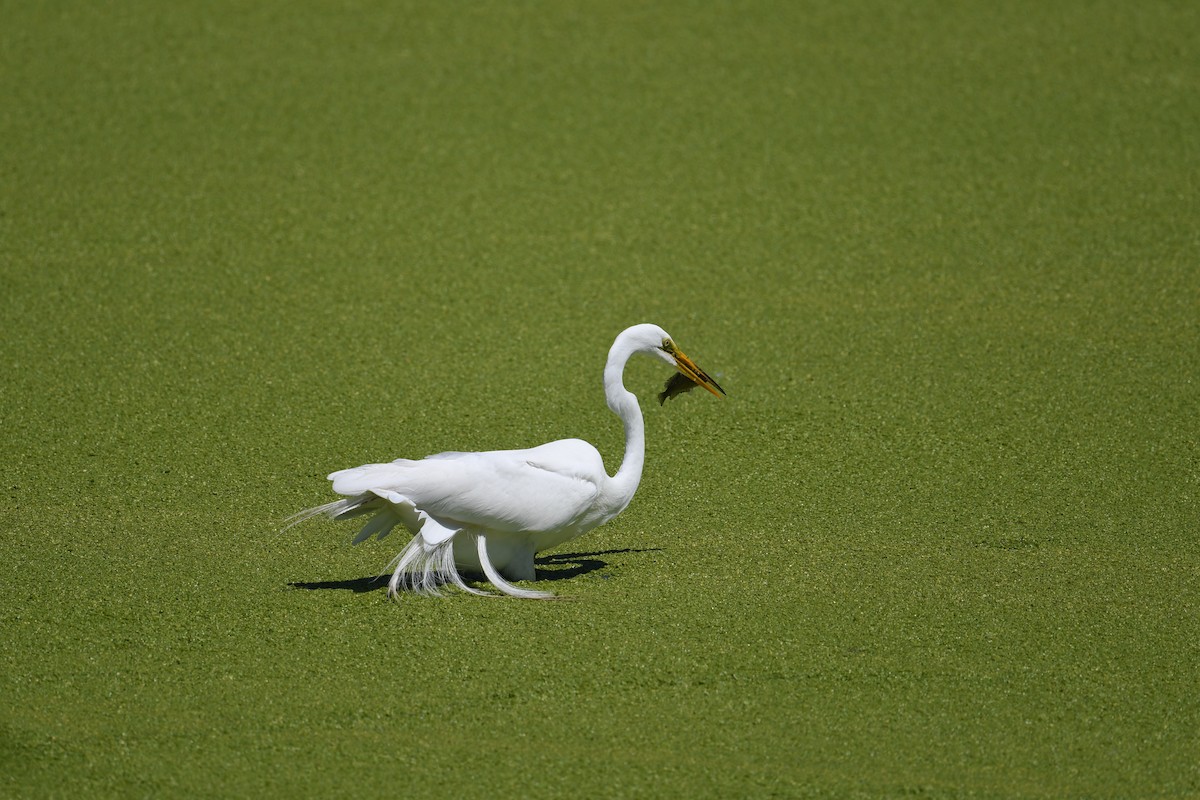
(677, 384)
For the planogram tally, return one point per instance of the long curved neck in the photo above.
(625, 405)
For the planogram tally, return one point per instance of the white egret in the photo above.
(492, 511)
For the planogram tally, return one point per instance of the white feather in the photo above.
(493, 511)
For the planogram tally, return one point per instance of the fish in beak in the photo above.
(687, 378)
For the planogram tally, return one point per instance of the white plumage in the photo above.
(491, 512)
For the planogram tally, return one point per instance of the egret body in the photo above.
(491, 512)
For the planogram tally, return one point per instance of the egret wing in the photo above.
(432, 530)
(543, 488)
(540, 489)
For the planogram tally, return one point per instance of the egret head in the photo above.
(688, 377)
(653, 340)
(658, 342)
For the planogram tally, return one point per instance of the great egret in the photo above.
(493, 511)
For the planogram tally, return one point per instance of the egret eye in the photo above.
(668, 346)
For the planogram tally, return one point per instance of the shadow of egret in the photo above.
(554, 567)
(560, 566)
(357, 585)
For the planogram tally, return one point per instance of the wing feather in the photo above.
(543, 488)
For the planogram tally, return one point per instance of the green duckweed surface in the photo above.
(940, 540)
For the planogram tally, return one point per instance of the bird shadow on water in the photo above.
(560, 566)
(554, 567)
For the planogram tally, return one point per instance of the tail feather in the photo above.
(381, 525)
(497, 579)
(338, 509)
(367, 478)
(426, 564)
(424, 569)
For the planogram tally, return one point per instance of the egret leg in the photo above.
(520, 566)
(494, 576)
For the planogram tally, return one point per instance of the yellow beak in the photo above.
(696, 375)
